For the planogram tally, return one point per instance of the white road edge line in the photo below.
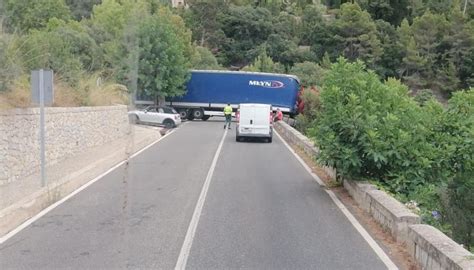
(43, 212)
(188, 240)
(375, 247)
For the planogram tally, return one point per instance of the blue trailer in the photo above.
(208, 91)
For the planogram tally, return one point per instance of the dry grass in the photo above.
(108, 95)
(86, 93)
(19, 97)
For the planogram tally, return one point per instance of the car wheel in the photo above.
(238, 139)
(269, 140)
(198, 113)
(205, 117)
(168, 123)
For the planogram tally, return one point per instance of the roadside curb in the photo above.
(18, 213)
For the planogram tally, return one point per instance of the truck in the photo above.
(209, 91)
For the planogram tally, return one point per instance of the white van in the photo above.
(254, 120)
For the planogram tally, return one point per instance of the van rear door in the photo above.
(254, 120)
(262, 119)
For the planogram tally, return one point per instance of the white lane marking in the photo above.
(375, 247)
(28, 222)
(153, 143)
(188, 240)
(315, 177)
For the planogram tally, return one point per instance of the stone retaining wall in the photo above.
(68, 131)
(392, 215)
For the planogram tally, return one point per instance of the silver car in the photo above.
(165, 116)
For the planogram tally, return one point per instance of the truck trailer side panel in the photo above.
(214, 89)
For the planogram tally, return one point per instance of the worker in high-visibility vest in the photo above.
(228, 116)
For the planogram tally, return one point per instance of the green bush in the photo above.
(312, 105)
(64, 47)
(423, 96)
(420, 152)
(458, 131)
(10, 69)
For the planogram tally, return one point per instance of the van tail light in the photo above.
(237, 115)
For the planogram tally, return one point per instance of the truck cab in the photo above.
(254, 121)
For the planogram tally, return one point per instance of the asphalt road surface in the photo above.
(262, 210)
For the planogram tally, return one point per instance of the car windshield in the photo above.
(227, 134)
(169, 110)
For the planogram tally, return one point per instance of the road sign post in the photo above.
(42, 93)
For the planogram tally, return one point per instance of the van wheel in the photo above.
(238, 139)
(269, 140)
(205, 117)
(198, 113)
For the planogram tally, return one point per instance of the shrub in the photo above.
(312, 106)
(368, 129)
(458, 141)
(10, 69)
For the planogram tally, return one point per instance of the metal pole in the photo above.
(42, 129)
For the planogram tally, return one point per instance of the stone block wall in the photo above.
(68, 131)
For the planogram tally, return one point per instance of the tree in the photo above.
(65, 47)
(246, 29)
(312, 25)
(356, 33)
(24, 15)
(204, 59)
(82, 9)
(114, 28)
(368, 129)
(310, 73)
(392, 12)
(459, 46)
(391, 58)
(282, 50)
(163, 67)
(201, 18)
(456, 136)
(436, 52)
(264, 63)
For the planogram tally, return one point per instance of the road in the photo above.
(262, 210)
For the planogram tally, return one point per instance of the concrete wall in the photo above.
(431, 248)
(392, 215)
(68, 131)
(434, 250)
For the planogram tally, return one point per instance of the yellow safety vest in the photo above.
(227, 110)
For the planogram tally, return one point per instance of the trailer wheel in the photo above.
(183, 113)
(198, 113)
(205, 117)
